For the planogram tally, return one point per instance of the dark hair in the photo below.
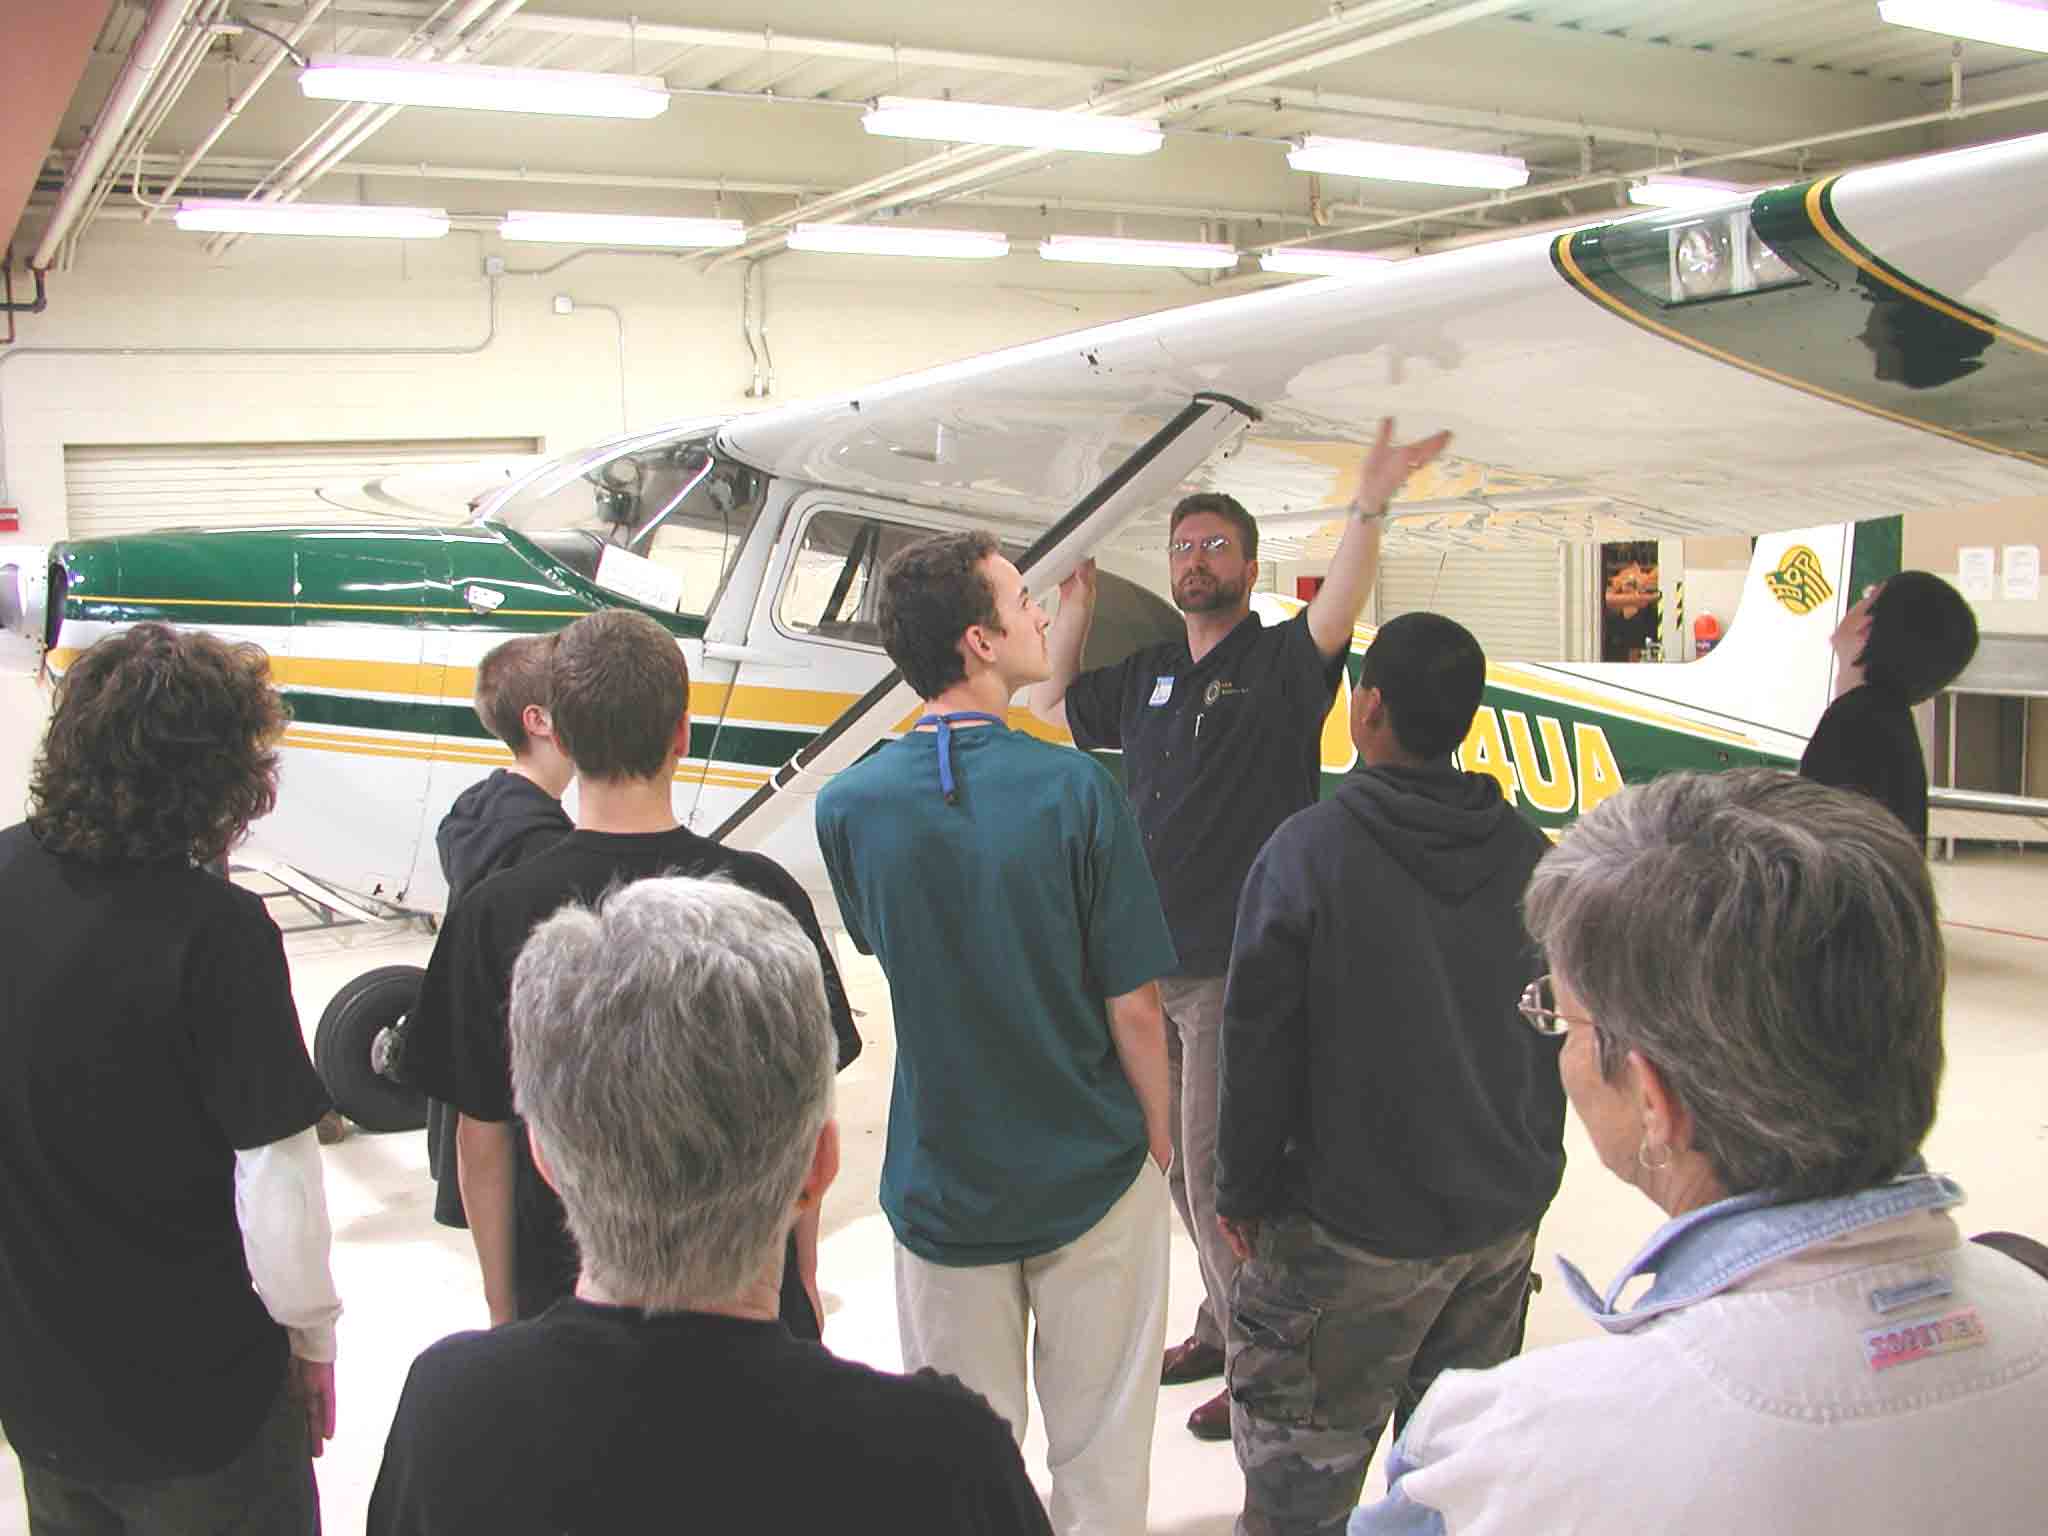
(617, 690)
(933, 591)
(1922, 634)
(163, 746)
(1771, 946)
(509, 678)
(1431, 674)
(1229, 508)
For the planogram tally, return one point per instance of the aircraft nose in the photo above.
(24, 604)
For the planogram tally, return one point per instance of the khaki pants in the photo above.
(1327, 1341)
(1194, 1032)
(1100, 1308)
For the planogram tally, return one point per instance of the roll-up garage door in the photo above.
(1511, 599)
(132, 488)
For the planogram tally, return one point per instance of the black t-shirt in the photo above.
(594, 1420)
(146, 1034)
(457, 1049)
(1217, 753)
(1866, 741)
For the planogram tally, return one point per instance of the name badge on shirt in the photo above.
(1903, 1343)
(1162, 690)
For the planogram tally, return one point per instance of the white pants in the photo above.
(1100, 1305)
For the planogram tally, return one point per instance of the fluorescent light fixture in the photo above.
(620, 229)
(1683, 192)
(482, 87)
(2008, 23)
(973, 122)
(232, 216)
(899, 240)
(1107, 251)
(1303, 261)
(1407, 162)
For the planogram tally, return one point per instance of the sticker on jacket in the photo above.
(1162, 690)
(1884, 1348)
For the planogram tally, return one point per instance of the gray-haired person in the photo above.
(672, 1057)
(1747, 974)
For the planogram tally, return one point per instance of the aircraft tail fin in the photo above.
(1775, 669)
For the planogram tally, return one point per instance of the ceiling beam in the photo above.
(49, 43)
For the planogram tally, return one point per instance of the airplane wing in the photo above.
(1855, 347)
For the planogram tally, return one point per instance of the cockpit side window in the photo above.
(834, 582)
(662, 523)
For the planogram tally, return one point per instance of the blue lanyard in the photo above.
(945, 723)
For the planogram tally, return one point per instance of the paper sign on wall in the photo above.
(1977, 572)
(2022, 573)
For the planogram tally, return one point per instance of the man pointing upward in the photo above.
(1221, 741)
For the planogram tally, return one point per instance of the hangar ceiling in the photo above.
(764, 122)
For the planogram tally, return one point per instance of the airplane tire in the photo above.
(342, 1044)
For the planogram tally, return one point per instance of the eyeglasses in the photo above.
(1215, 544)
(1539, 1008)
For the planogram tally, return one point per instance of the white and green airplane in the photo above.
(1802, 366)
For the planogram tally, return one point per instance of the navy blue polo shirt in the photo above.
(1217, 753)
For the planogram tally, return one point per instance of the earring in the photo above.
(1643, 1158)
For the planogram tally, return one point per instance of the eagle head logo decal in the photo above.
(1799, 582)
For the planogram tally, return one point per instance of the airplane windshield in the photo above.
(661, 523)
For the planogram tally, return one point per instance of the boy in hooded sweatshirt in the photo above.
(497, 822)
(1391, 1132)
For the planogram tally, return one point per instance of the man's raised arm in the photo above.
(1353, 569)
(1064, 644)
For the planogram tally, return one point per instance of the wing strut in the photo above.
(1151, 473)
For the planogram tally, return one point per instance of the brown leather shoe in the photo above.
(1190, 1360)
(1211, 1421)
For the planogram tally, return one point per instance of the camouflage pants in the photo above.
(1328, 1341)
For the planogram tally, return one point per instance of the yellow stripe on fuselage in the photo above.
(484, 754)
(1506, 676)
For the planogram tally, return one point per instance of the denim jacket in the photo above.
(1703, 1252)
(1793, 1366)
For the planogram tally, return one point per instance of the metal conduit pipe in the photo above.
(664, 35)
(228, 168)
(1333, 53)
(1679, 163)
(343, 118)
(159, 34)
(447, 52)
(240, 101)
(1150, 95)
(945, 169)
(460, 349)
(1404, 32)
(671, 36)
(1337, 103)
(172, 77)
(352, 125)
(1146, 92)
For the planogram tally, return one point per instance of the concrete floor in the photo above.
(406, 1281)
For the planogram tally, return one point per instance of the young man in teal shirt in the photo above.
(1002, 882)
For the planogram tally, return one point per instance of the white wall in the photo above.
(832, 324)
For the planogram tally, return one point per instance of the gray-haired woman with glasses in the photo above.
(1748, 976)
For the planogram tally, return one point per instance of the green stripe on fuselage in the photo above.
(320, 577)
(748, 745)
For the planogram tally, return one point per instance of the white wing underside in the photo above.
(1569, 422)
